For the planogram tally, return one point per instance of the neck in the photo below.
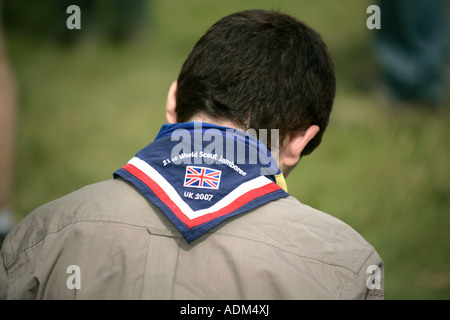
(223, 123)
(226, 123)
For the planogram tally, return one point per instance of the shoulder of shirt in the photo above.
(110, 201)
(291, 226)
(285, 224)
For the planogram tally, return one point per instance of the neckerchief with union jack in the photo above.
(200, 174)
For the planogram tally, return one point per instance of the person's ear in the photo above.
(171, 104)
(290, 154)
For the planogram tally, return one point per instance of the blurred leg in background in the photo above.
(7, 138)
(114, 20)
(411, 49)
(122, 20)
(63, 35)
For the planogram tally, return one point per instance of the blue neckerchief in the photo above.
(200, 174)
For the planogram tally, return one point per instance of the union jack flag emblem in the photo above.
(201, 177)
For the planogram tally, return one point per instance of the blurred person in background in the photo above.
(7, 136)
(114, 20)
(411, 48)
(117, 21)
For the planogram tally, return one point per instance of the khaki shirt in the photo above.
(106, 241)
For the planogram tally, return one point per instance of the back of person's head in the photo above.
(261, 70)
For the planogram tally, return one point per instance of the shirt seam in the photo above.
(31, 245)
(356, 261)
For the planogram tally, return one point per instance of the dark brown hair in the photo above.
(261, 70)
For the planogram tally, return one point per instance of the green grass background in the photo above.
(86, 109)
